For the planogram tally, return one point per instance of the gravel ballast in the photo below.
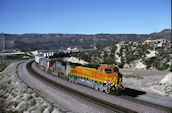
(68, 102)
(17, 97)
(101, 95)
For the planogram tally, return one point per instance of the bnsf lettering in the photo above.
(93, 75)
(89, 73)
(74, 71)
(86, 72)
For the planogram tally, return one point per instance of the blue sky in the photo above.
(84, 16)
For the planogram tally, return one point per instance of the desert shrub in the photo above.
(170, 69)
(2, 67)
(149, 62)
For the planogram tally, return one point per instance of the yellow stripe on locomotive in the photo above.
(104, 74)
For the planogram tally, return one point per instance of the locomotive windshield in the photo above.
(108, 71)
(115, 69)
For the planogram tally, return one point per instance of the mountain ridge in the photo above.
(150, 54)
(55, 41)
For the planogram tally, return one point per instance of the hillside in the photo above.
(150, 54)
(27, 42)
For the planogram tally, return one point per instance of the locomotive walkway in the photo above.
(94, 99)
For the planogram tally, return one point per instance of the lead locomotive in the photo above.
(105, 78)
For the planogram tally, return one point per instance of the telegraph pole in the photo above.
(3, 48)
(3, 43)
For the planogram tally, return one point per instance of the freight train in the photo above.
(105, 78)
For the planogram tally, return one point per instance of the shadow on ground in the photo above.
(132, 92)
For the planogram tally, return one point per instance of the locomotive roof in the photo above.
(92, 66)
(86, 65)
(77, 64)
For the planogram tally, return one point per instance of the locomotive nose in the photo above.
(118, 79)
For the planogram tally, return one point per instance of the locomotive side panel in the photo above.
(90, 73)
(102, 75)
(44, 62)
(59, 68)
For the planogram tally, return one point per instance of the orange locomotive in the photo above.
(105, 78)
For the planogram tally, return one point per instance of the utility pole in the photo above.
(3, 48)
(3, 43)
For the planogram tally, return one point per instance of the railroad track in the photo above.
(112, 107)
(108, 105)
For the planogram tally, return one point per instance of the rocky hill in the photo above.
(150, 54)
(17, 97)
(26, 42)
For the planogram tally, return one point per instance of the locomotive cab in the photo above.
(112, 77)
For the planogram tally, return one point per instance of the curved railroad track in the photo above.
(111, 106)
(108, 105)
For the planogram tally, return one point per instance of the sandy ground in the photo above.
(150, 82)
(145, 80)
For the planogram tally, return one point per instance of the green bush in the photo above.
(170, 68)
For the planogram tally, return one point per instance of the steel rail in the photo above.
(126, 97)
(108, 105)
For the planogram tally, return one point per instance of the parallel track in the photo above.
(110, 106)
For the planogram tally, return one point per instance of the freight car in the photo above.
(105, 78)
